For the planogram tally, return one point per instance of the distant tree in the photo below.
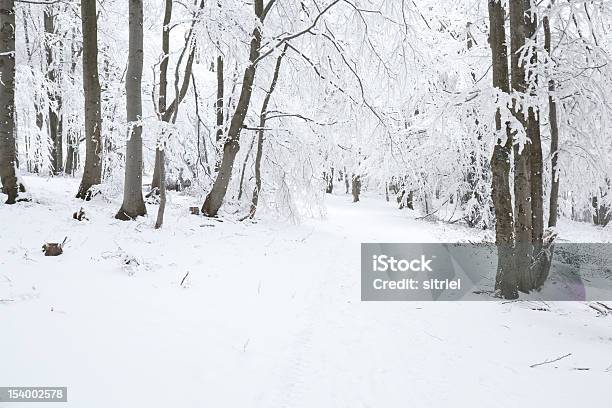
(54, 94)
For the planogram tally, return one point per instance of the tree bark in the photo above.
(501, 195)
(554, 135)
(215, 197)
(133, 204)
(522, 172)
(162, 192)
(92, 174)
(163, 87)
(55, 101)
(219, 108)
(72, 138)
(8, 153)
(533, 132)
(356, 187)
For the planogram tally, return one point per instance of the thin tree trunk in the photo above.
(356, 187)
(219, 109)
(346, 182)
(163, 88)
(55, 102)
(133, 204)
(171, 112)
(8, 154)
(244, 164)
(205, 165)
(506, 280)
(162, 192)
(34, 150)
(72, 138)
(260, 134)
(554, 135)
(215, 197)
(92, 174)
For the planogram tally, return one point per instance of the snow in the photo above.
(269, 315)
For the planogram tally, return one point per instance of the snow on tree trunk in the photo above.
(500, 162)
(215, 197)
(8, 153)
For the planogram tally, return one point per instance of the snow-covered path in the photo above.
(269, 316)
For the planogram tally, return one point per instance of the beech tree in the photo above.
(8, 152)
(92, 173)
(54, 92)
(133, 203)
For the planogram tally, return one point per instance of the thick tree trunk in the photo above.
(533, 132)
(55, 101)
(215, 197)
(8, 153)
(133, 204)
(506, 280)
(523, 229)
(92, 173)
(261, 134)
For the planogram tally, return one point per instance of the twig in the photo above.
(184, 277)
(550, 361)
(432, 213)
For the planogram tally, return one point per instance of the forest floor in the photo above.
(229, 314)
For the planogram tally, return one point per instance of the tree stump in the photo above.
(80, 215)
(53, 249)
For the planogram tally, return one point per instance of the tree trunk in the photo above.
(133, 204)
(522, 172)
(533, 132)
(92, 173)
(215, 197)
(219, 109)
(162, 192)
(33, 150)
(163, 88)
(506, 280)
(260, 134)
(346, 183)
(554, 135)
(55, 101)
(244, 165)
(356, 187)
(72, 138)
(8, 153)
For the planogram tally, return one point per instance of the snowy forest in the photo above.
(200, 175)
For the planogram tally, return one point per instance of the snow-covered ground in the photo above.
(269, 315)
